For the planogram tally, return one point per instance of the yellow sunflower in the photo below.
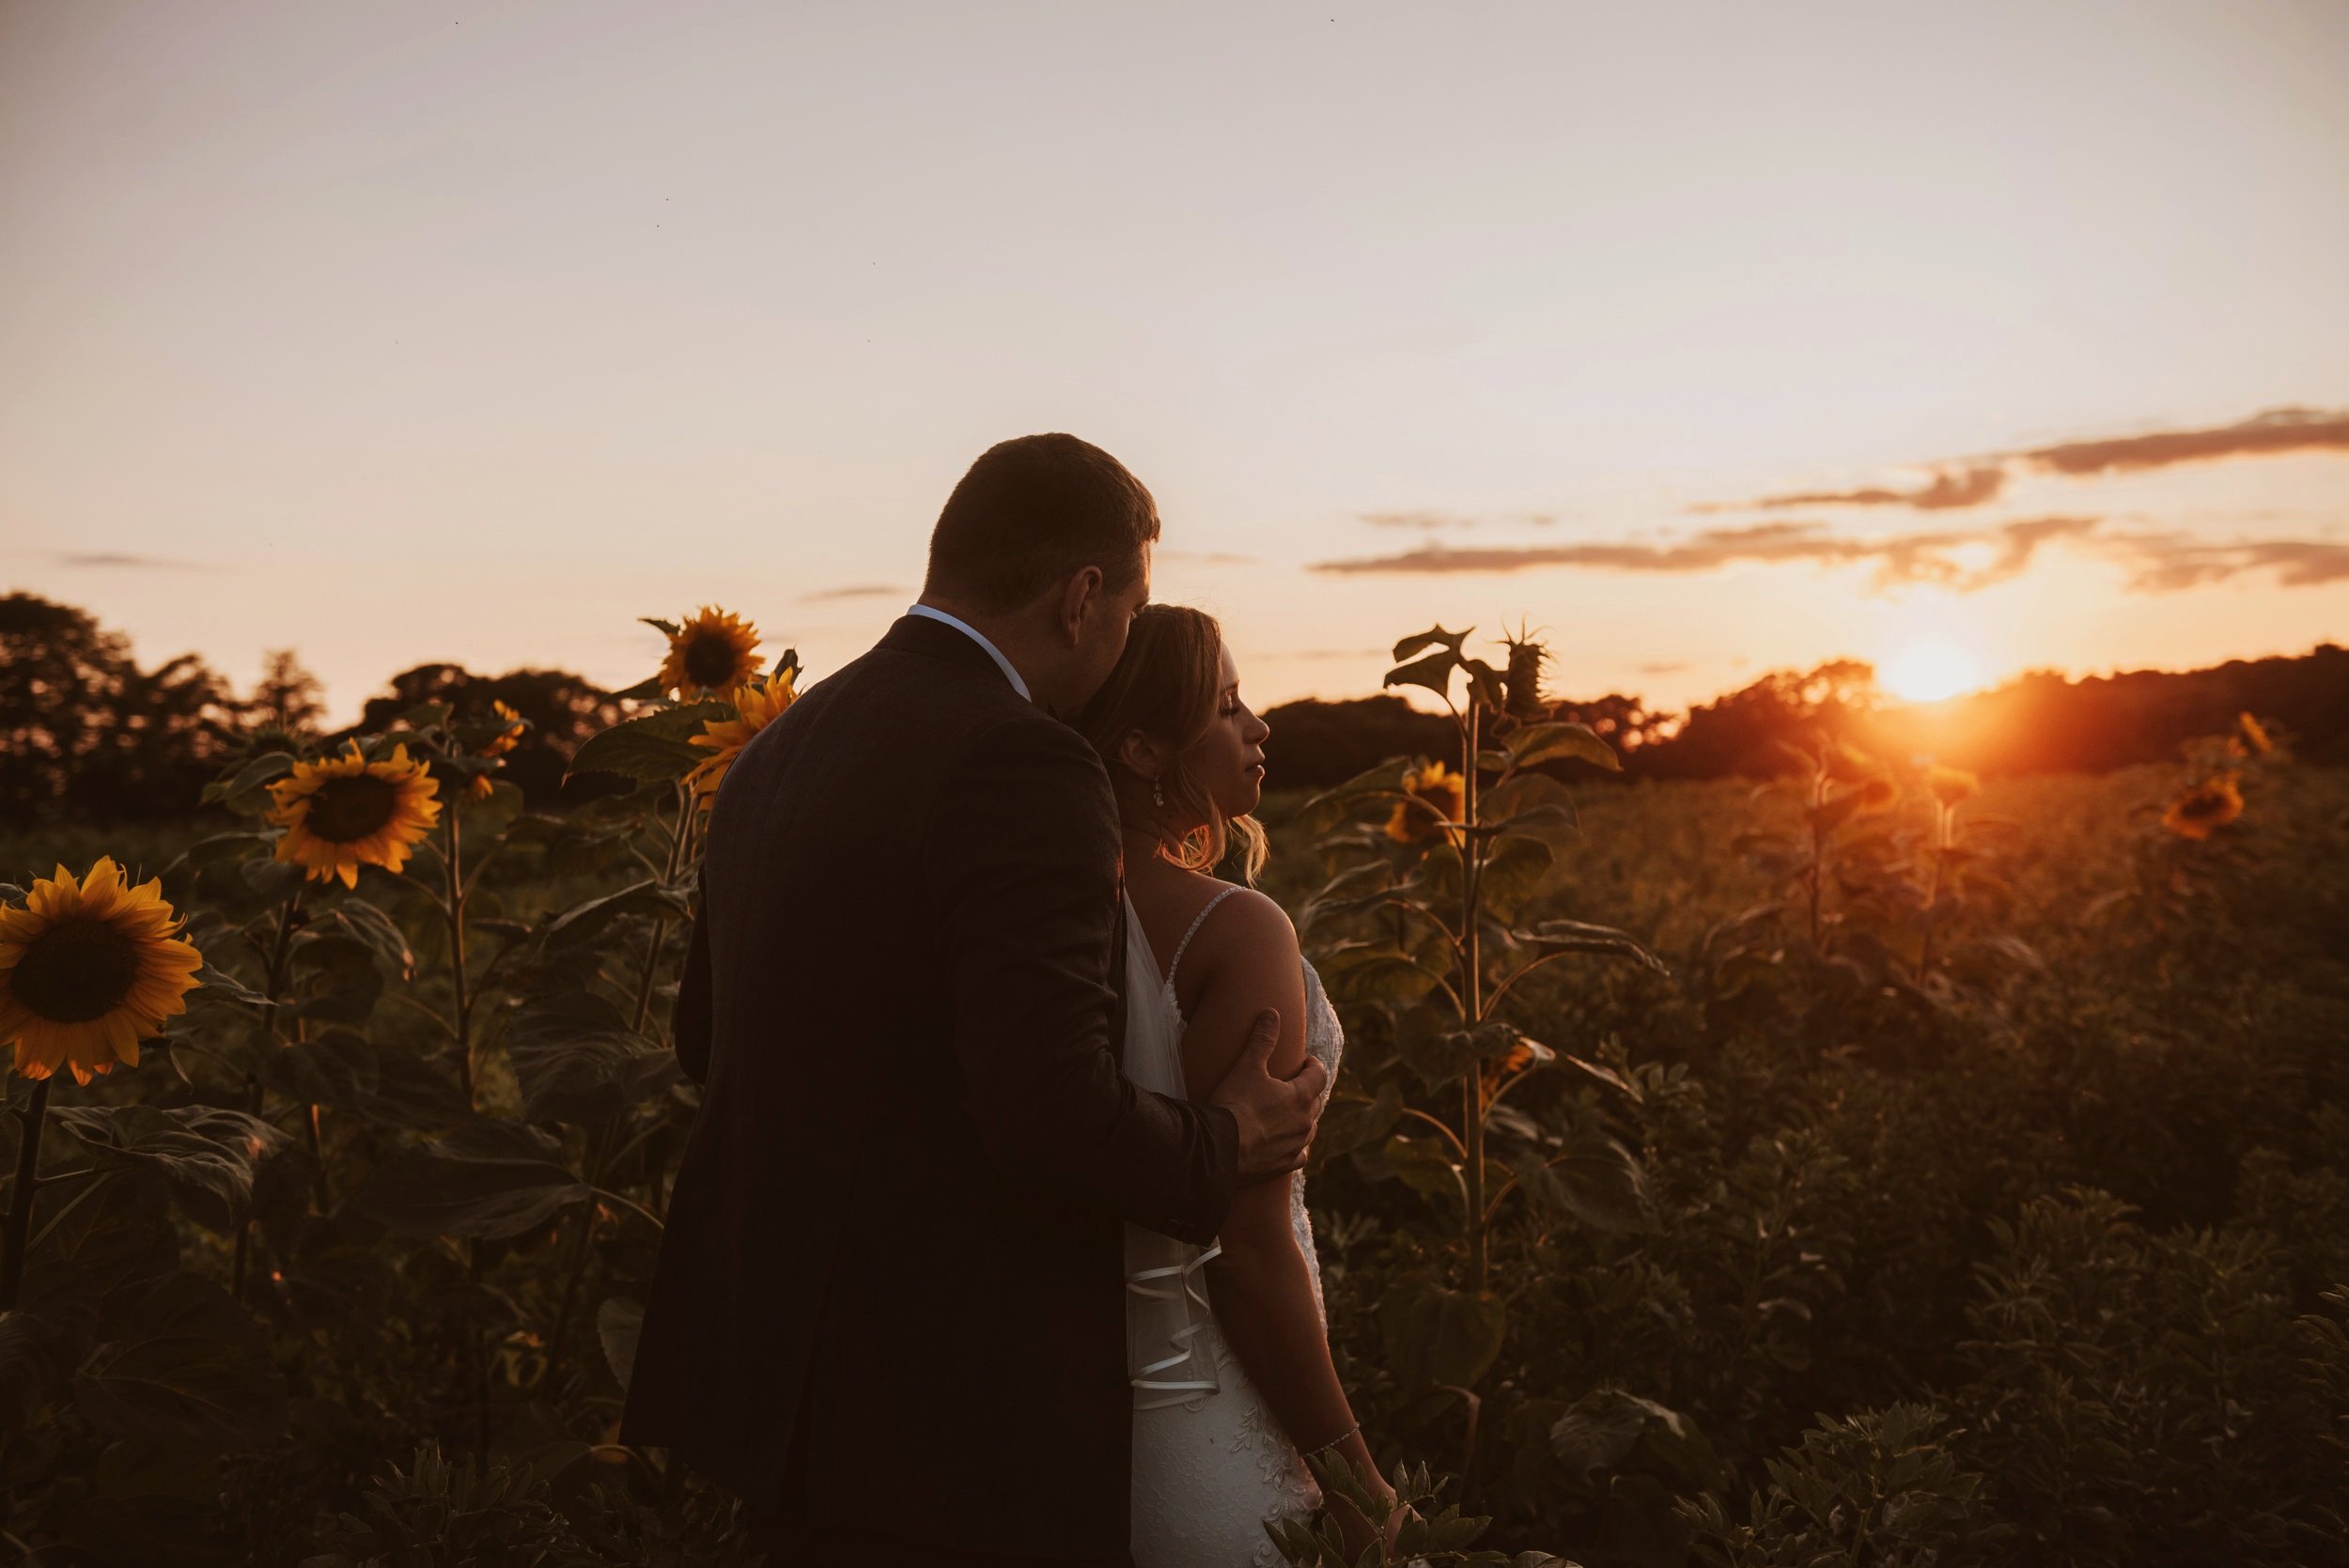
(479, 787)
(347, 812)
(1442, 789)
(87, 970)
(710, 652)
(506, 738)
(1949, 786)
(758, 703)
(2204, 808)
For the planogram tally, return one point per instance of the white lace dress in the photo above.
(1210, 1461)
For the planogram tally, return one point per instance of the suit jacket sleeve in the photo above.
(689, 1018)
(1023, 851)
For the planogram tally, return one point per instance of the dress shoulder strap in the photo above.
(1197, 921)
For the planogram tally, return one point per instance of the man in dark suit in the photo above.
(888, 1311)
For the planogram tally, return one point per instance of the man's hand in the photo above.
(1276, 1115)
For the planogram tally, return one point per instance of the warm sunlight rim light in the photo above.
(1929, 669)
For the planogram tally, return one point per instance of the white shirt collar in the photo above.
(992, 651)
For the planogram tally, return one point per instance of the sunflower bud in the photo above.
(1522, 681)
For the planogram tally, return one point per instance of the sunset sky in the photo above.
(1709, 338)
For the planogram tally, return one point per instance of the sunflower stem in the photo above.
(580, 1243)
(453, 862)
(28, 1183)
(679, 832)
(273, 987)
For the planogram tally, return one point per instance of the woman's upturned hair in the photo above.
(1165, 686)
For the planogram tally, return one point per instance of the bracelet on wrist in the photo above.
(1333, 1442)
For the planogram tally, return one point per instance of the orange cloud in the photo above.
(1933, 557)
(2263, 435)
(1966, 486)
(1975, 481)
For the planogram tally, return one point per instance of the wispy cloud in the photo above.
(1431, 519)
(1964, 560)
(1329, 653)
(1206, 557)
(110, 560)
(864, 590)
(1974, 481)
(1426, 521)
(2263, 435)
(1961, 487)
(2166, 562)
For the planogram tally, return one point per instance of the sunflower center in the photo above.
(710, 660)
(345, 808)
(76, 971)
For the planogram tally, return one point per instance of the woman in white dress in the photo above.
(1228, 1350)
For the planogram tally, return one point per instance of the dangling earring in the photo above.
(1157, 793)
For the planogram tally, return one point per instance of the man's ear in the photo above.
(1080, 596)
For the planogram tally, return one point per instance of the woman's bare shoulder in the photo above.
(1248, 928)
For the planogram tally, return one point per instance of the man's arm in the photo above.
(1021, 852)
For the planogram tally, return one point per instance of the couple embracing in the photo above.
(988, 1245)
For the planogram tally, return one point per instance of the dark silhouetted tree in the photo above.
(563, 708)
(286, 695)
(86, 733)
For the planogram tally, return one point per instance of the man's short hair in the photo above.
(1033, 511)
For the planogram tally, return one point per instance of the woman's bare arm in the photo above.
(1247, 960)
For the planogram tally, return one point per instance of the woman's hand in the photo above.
(1358, 1532)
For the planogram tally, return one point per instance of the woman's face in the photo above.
(1229, 758)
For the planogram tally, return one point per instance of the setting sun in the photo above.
(1929, 671)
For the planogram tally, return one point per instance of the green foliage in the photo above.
(1418, 1528)
(1882, 1489)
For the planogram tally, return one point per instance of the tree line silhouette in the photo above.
(85, 732)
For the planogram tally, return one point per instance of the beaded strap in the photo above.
(1197, 921)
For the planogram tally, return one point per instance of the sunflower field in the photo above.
(1880, 1166)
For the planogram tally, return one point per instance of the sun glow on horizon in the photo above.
(1930, 669)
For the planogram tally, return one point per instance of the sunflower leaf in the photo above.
(220, 986)
(619, 1323)
(1539, 743)
(188, 1363)
(489, 1178)
(1433, 672)
(1598, 1182)
(338, 976)
(578, 1062)
(1432, 638)
(1435, 1334)
(582, 923)
(38, 1353)
(654, 749)
(668, 628)
(648, 689)
(96, 1236)
(243, 787)
(206, 1153)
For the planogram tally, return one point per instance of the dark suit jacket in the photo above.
(890, 1291)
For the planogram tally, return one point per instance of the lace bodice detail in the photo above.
(1211, 1460)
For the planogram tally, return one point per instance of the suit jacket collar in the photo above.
(936, 640)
